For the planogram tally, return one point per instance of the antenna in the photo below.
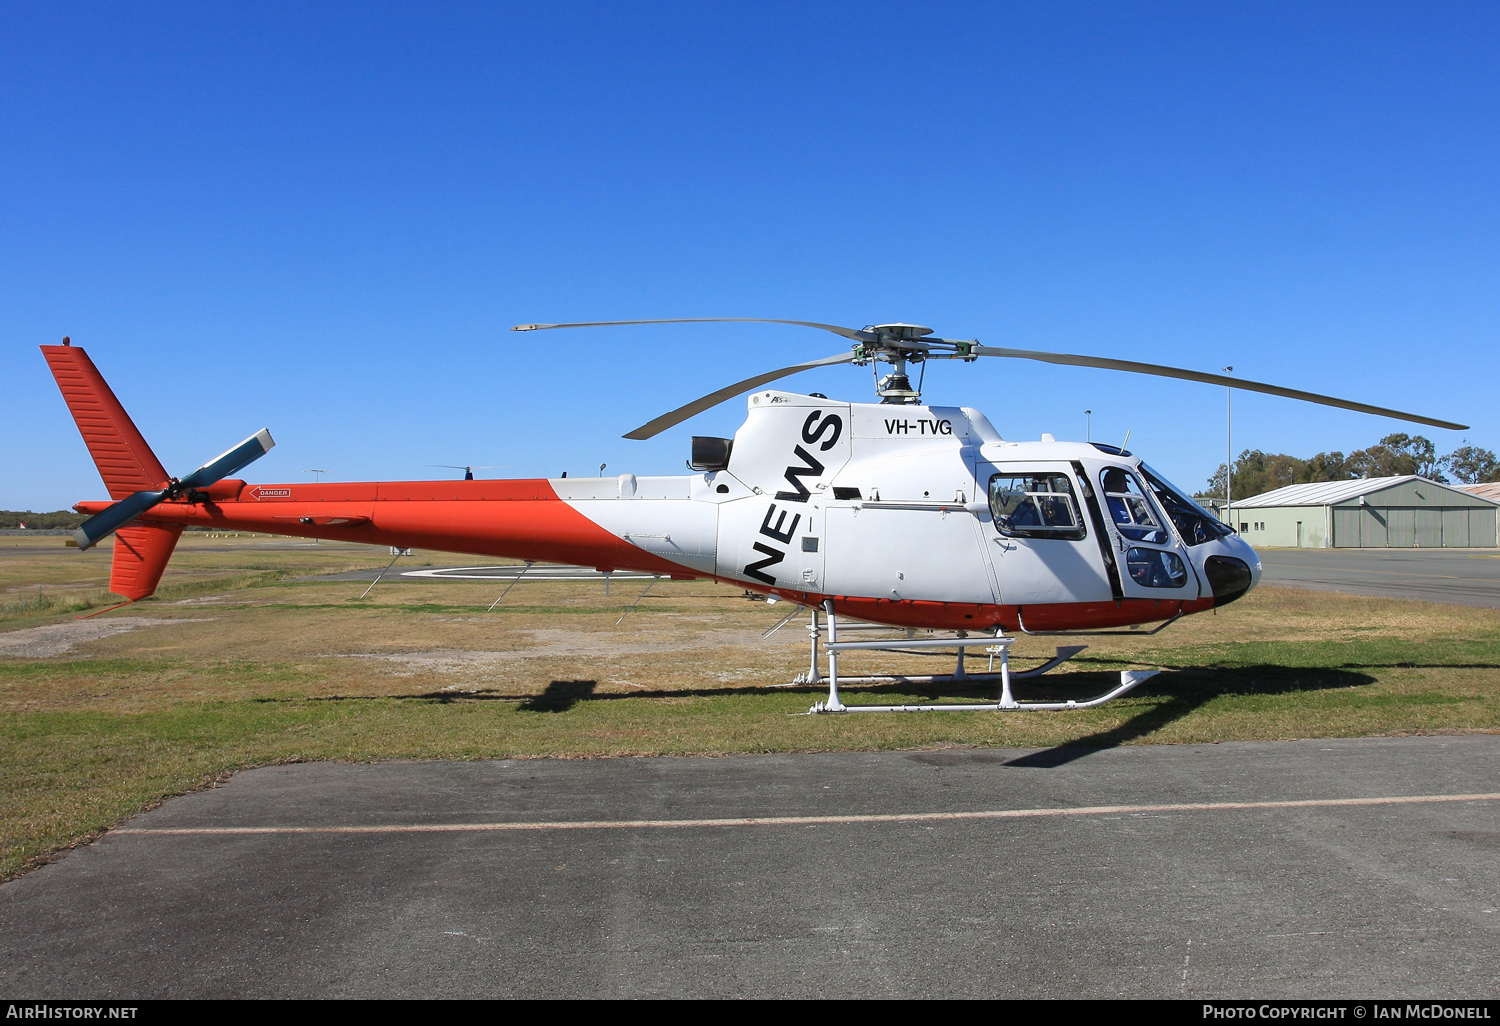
(1229, 452)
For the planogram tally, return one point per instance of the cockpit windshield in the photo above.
(1196, 524)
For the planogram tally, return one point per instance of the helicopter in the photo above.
(890, 514)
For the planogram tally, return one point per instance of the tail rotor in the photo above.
(97, 528)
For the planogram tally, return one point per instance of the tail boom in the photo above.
(517, 519)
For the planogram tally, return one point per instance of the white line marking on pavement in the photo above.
(895, 817)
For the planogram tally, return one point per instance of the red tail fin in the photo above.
(125, 461)
(141, 554)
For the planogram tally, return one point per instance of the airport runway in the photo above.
(976, 873)
(1465, 577)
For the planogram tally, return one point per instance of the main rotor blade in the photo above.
(1211, 379)
(697, 406)
(96, 528)
(850, 333)
(242, 455)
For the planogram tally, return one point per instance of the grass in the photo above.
(239, 663)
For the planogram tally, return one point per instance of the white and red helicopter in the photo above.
(892, 514)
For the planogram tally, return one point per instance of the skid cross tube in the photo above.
(833, 646)
(815, 634)
(833, 704)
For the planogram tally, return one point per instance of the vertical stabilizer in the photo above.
(125, 461)
(141, 554)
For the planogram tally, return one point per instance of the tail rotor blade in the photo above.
(96, 528)
(241, 456)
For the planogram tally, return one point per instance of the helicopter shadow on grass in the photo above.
(1180, 690)
(560, 696)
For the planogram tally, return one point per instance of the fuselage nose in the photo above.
(1230, 566)
(1240, 549)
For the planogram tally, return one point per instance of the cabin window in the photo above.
(1128, 506)
(1195, 524)
(1153, 568)
(1035, 506)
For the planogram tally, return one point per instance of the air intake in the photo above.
(710, 453)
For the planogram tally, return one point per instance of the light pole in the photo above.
(1088, 425)
(320, 474)
(1229, 452)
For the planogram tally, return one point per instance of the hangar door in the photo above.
(1395, 527)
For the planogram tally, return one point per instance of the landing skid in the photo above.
(1128, 680)
(995, 645)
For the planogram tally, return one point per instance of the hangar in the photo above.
(1375, 512)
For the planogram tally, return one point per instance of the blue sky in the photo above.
(323, 218)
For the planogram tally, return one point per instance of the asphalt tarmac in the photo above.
(974, 873)
(1465, 577)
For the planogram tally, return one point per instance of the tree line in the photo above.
(1395, 455)
(62, 519)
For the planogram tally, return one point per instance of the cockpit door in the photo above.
(1152, 561)
(1042, 542)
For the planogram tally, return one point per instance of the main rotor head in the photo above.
(899, 344)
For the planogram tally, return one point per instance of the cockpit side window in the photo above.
(1128, 506)
(1195, 524)
(1035, 506)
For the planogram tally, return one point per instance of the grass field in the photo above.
(238, 663)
